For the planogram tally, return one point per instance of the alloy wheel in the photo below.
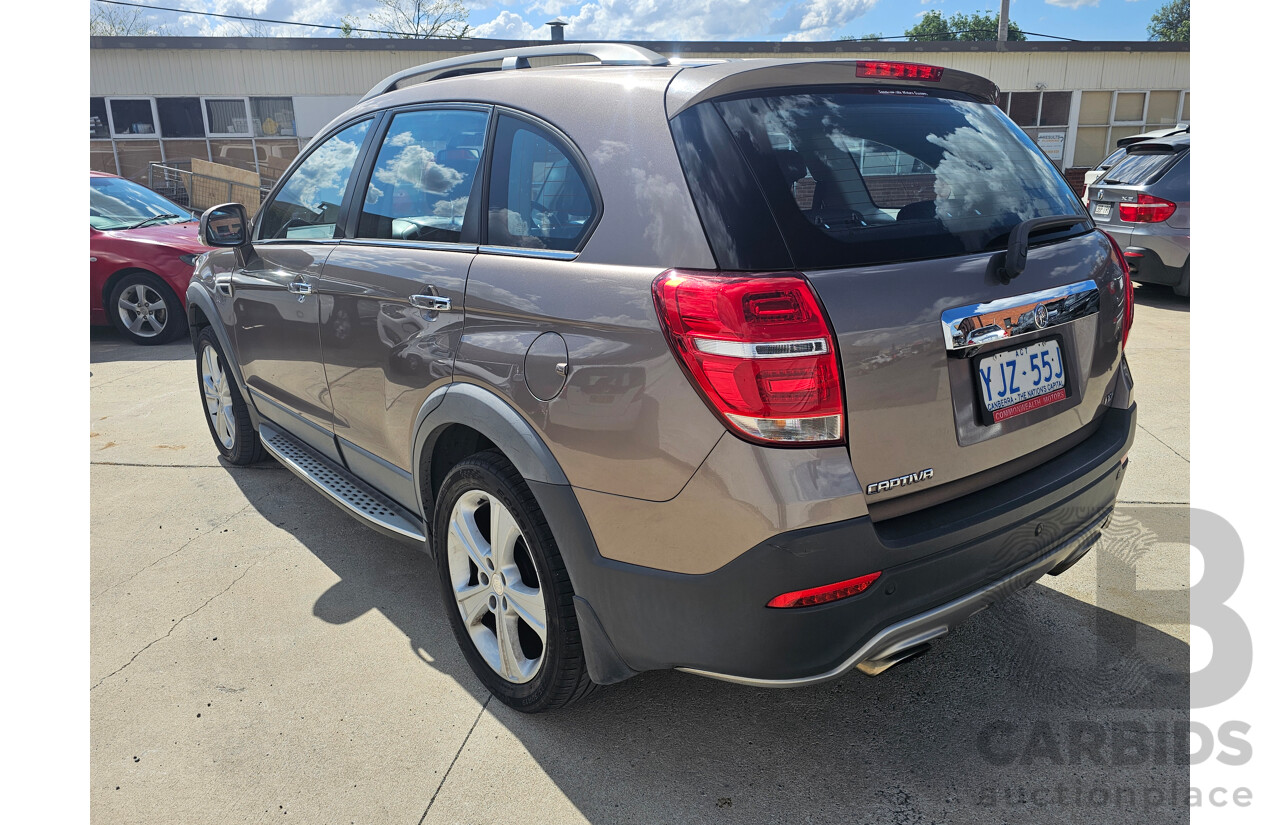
(217, 396)
(496, 587)
(143, 310)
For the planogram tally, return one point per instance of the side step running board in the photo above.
(356, 497)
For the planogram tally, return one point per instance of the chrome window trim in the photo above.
(402, 244)
(278, 241)
(528, 252)
(1011, 309)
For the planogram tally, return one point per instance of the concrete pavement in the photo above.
(258, 656)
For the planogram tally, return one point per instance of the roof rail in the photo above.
(608, 54)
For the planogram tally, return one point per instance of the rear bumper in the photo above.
(1147, 266)
(1155, 253)
(912, 635)
(938, 566)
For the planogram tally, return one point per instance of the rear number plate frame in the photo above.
(1102, 209)
(1013, 369)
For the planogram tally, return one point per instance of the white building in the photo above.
(253, 102)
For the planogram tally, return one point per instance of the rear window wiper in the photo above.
(146, 221)
(1015, 260)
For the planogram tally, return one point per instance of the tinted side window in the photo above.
(423, 177)
(307, 206)
(538, 195)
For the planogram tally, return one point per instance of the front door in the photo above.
(391, 293)
(277, 330)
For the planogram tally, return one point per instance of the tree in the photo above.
(419, 19)
(121, 21)
(865, 37)
(976, 26)
(1172, 22)
(349, 26)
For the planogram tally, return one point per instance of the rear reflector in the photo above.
(824, 594)
(758, 349)
(1147, 209)
(899, 71)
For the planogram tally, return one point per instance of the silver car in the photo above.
(1144, 202)
(766, 370)
(1122, 149)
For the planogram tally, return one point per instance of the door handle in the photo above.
(300, 287)
(432, 302)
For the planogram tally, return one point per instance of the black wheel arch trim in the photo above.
(481, 410)
(198, 297)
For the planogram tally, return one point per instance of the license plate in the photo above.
(1101, 209)
(1017, 381)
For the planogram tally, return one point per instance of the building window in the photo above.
(1043, 116)
(1130, 107)
(1055, 109)
(1107, 117)
(227, 116)
(131, 117)
(102, 156)
(1032, 109)
(180, 117)
(273, 117)
(98, 127)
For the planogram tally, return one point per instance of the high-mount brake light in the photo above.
(759, 350)
(1127, 286)
(824, 594)
(899, 71)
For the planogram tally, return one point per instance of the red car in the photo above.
(142, 251)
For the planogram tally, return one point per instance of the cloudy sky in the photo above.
(674, 19)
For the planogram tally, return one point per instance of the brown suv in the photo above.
(760, 369)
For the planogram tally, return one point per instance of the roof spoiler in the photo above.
(694, 85)
(605, 54)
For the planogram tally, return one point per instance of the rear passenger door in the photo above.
(393, 288)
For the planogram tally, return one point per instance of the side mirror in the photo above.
(225, 225)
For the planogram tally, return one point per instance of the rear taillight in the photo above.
(759, 349)
(1125, 285)
(1147, 209)
(898, 71)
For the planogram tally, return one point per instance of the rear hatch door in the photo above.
(898, 206)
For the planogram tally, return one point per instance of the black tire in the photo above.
(561, 678)
(150, 324)
(244, 447)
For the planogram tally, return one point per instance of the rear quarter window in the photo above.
(539, 197)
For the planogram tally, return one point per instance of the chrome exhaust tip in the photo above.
(874, 667)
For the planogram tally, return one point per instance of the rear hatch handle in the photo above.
(1015, 260)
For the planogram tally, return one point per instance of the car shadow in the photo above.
(1019, 715)
(1159, 296)
(107, 345)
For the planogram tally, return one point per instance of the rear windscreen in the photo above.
(1139, 169)
(866, 175)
